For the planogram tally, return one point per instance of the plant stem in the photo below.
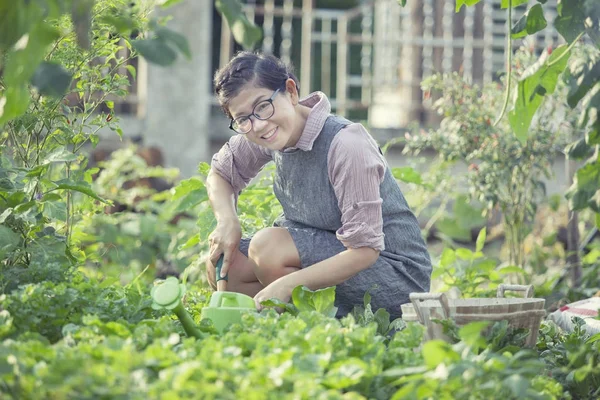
(567, 50)
(508, 63)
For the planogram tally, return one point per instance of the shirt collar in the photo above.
(320, 110)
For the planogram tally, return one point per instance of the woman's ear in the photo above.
(292, 90)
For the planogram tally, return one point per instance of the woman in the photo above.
(345, 221)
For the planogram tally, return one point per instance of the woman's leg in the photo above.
(241, 276)
(274, 254)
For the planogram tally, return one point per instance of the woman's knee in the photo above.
(273, 252)
(262, 247)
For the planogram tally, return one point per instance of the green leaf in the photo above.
(14, 103)
(60, 155)
(131, 70)
(531, 22)
(155, 51)
(464, 254)
(436, 352)
(511, 269)
(402, 3)
(578, 150)
(518, 385)
(583, 76)
(321, 300)
(407, 174)
(23, 62)
(570, 22)
(471, 333)
(468, 3)
(345, 373)
(9, 240)
(448, 257)
(169, 3)
(586, 184)
(468, 216)
(481, 239)
(175, 38)
(244, 32)
(515, 3)
(81, 187)
(189, 192)
(51, 79)
(451, 228)
(123, 24)
(16, 19)
(538, 80)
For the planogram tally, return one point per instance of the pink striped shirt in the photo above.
(355, 169)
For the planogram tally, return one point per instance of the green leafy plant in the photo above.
(473, 274)
(503, 173)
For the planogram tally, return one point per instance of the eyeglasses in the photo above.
(263, 111)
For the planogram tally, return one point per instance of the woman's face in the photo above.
(282, 129)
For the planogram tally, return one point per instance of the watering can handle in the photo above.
(527, 289)
(221, 281)
(218, 270)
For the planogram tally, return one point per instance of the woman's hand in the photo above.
(280, 289)
(225, 239)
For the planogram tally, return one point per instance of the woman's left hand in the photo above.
(278, 289)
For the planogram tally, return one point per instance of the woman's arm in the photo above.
(332, 271)
(221, 197)
(232, 168)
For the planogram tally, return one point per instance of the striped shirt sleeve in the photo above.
(238, 161)
(356, 170)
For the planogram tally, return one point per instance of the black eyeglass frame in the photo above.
(269, 100)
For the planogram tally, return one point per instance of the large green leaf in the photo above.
(407, 174)
(81, 187)
(8, 240)
(156, 51)
(586, 184)
(531, 22)
(589, 121)
(175, 38)
(583, 75)
(570, 22)
(189, 193)
(13, 103)
(60, 155)
(244, 32)
(578, 150)
(51, 79)
(23, 62)
(321, 300)
(16, 19)
(538, 80)
(345, 373)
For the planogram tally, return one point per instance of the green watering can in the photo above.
(224, 307)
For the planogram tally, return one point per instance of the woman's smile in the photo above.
(271, 135)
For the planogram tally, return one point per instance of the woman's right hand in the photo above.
(225, 239)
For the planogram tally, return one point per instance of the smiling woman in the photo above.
(345, 221)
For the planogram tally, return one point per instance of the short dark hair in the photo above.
(264, 70)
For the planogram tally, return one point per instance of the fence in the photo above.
(370, 59)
